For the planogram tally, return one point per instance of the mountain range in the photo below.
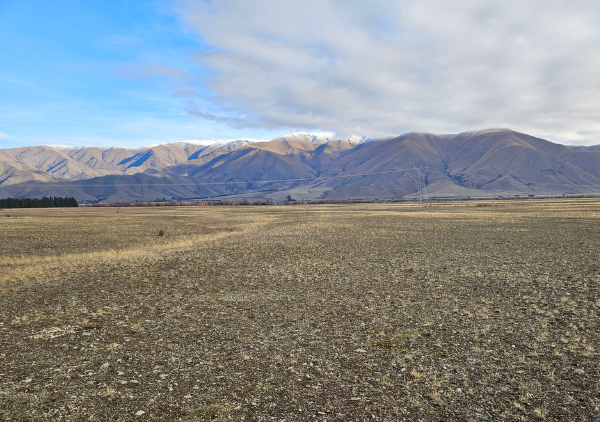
(487, 163)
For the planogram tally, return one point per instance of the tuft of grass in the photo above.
(109, 392)
(160, 232)
(436, 398)
(416, 374)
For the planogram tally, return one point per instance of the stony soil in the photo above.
(356, 312)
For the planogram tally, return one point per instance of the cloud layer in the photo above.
(388, 67)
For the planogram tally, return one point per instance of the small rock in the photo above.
(579, 371)
(123, 382)
(140, 413)
(28, 380)
(360, 351)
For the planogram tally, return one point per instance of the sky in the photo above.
(133, 73)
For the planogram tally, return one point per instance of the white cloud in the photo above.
(387, 67)
(4, 136)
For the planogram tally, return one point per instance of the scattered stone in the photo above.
(328, 297)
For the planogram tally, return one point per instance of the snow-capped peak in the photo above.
(209, 142)
(219, 141)
(314, 138)
(59, 147)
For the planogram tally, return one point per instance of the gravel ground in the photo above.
(476, 311)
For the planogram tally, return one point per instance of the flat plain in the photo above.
(390, 312)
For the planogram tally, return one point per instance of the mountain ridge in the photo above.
(490, 162)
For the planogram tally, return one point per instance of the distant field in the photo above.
(456, 311)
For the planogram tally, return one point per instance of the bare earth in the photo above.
(355, 312)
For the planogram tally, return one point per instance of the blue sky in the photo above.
(70, 74)
(134, 73)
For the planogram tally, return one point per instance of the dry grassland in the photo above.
(357, 312)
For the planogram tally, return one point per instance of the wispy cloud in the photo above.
(387, 67)
(182, 80)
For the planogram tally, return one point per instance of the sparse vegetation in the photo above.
(302, 313)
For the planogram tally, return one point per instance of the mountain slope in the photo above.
(508, 160)
(90, 162)
(494, 162)
(12, 173)
(113, 188)
(50, 160)
(382, 168)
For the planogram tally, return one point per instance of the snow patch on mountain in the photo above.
(61, 147)
(314, 138)
(212, 142)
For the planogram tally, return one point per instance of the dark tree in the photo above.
(45, 202)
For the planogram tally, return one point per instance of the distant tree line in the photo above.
(45, 202)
